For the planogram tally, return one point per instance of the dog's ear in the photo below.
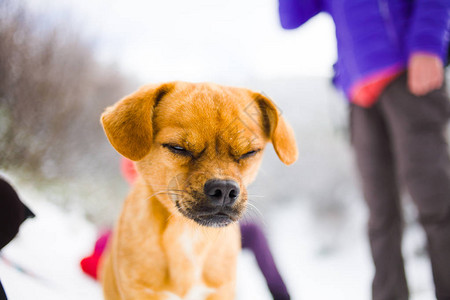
(277, 129)
(128, 123)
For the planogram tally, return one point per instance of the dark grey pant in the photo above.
(401, 139)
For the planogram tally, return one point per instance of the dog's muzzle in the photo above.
(215, 207)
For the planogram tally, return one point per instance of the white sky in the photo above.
(201, 40)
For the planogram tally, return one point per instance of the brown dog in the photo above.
(196, 147)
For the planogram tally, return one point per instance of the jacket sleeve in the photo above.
(430, 26)
(294, 13)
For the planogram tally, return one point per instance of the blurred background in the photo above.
(62, 62)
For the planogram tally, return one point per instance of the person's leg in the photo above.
(254, 239)
(418, 128)
(376, 165)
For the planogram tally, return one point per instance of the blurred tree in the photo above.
(52, 91)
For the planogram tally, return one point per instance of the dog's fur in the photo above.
(169, 242)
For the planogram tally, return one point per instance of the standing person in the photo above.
(391, 55)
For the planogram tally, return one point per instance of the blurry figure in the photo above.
(252, 236)
(254, 239)
(12, 214)
(391, 55)
(90, 264)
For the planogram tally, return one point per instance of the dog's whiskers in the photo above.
(256, 196)
(156, 185)
(168, 192)
(171, 216)
(253, 208)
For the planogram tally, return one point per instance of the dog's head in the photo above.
(197, 146)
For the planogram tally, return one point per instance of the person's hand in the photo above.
(425, 73)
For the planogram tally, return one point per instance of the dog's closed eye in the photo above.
(249, 154)
(176, 149)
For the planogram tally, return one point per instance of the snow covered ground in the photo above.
(49, 248)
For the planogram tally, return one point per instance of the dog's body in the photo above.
(196, 147)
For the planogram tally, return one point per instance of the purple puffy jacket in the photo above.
(373, 35)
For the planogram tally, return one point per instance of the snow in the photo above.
(50, 247)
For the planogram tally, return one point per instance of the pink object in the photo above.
(128, 170)
(89, 264)
(366, 91)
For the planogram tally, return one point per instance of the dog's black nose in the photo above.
(222, 192)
